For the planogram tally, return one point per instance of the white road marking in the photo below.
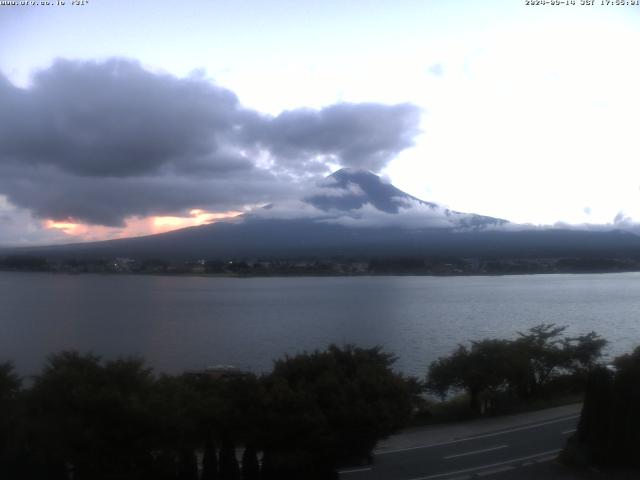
(466, 439)
(567, 432)
(546, 459)
(496, 470)
(354, 470)
(475, 451)
(483, 467)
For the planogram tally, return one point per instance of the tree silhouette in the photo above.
(481, 370)
(210, 461)
(524, 367)
(328, 407)
(250, 465)
(608, 433)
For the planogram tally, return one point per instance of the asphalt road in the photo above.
(478, 455)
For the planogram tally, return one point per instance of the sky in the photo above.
(126, 118)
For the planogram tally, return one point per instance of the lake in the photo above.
(179, 322)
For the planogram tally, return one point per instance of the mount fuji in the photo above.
(354, 213)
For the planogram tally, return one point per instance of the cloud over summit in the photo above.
(363, 135)
(98, 142)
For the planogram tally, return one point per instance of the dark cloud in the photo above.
(364, 135)
(117, 119)
(100, 142)
(49, 193)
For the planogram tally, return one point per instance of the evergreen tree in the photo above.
(626, 410)
(187, 465)
(10, 417)
(210, 461)
(326, 408)
(250, 466)
(229, 468)
(608, 433)
(594, 427)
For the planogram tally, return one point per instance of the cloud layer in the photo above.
(364, 135)
(368, 207)
(102, 142)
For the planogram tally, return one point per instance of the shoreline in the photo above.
(315, 275)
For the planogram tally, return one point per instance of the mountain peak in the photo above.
(352, 171)
(353, 175)
(351, 188)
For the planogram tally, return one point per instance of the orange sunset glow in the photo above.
(136, 226)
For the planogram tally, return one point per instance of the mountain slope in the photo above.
(362, 187)
(354, 213)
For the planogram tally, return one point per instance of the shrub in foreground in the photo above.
(496, 371)
(608, 433)
(87, 418)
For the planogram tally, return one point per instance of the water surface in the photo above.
(181, 322)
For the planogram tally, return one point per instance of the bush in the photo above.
(608, 433)
(495, 373)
